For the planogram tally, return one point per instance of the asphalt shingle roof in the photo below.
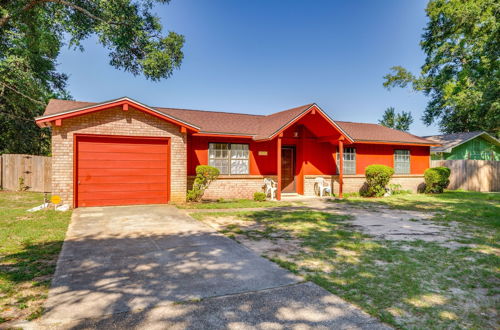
(450, 141)
(258, 126)
(375, 132)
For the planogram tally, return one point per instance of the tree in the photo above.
(400, 121)
(461, 72)
(32, 33)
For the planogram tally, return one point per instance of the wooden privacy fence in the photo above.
(474, 175)
(28, 172)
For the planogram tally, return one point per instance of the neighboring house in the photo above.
(468, 145)
(123, 152)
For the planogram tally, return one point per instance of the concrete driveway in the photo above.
(155, 267)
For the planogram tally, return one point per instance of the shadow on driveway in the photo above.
(154, 267)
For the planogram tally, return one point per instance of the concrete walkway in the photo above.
(155, 267)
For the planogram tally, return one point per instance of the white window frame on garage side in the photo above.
(230, 158)
(349, 160)
(402, 161)
(475, 150)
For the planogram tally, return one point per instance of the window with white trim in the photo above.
(402, 161)
(229, 158)
(349, 160)
(475, 150)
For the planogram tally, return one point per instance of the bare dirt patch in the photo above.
(395, 225)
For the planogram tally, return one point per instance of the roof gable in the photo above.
(56, 111)
(450, 141)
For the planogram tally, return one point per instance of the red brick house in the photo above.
(123, 152)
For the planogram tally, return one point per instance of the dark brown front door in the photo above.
(288, 169)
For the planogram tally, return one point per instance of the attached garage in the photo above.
(113, 170)
(119, 152)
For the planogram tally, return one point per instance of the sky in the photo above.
(261, 57)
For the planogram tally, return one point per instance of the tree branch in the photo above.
(5, 113)
(22, 94)
(34, 3)
(7, 17)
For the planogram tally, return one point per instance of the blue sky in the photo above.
(265, 56)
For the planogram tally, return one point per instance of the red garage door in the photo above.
(121, 170)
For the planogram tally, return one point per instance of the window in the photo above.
(475, 150)
(402, 161)
(349, 161)
(229, 158)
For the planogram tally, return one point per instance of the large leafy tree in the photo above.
(461, 72)
(400, 121)
(32, 33)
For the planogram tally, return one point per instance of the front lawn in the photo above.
(234, 204)
(408, 284)
(466, 207)
(29, 247)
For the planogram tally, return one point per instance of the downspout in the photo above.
(341, 165)
(278, 164)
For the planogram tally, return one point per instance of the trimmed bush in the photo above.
(204, 176)
(377, 178)
(259, 196)
(436, 179)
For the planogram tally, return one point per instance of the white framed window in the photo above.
(229, 158)
(402, 161)
(349, 160)
(475, 150)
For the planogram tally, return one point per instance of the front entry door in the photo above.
(288, 169)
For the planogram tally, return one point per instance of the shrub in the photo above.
(436, 179)
(259, 196)
(377, 177)
(204, 176)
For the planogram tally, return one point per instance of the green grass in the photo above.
(234, 204)
(29, 246)
(411, 285)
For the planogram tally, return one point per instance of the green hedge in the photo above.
(436, 179)
(377, 178)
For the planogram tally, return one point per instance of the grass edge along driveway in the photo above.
(29, 247)
(409, 284)
(222, 203)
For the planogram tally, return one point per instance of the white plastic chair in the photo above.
(270, 186)
(322, 186)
